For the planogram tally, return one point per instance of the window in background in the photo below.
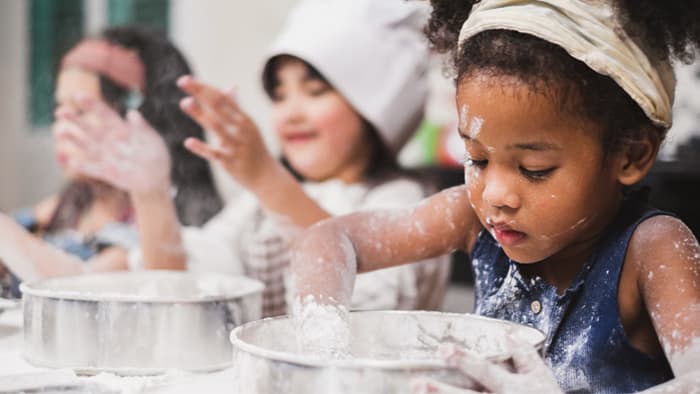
(146, 12)
(55, 26)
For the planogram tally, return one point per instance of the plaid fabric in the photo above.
(243, 239)
(266, 257)
(5, 283)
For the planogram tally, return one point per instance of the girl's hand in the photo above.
(128, 154)
(240, 148)
(529, 373)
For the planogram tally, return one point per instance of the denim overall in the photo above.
(586, 346)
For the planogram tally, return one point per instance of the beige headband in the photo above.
(119, 64)
(589, 32)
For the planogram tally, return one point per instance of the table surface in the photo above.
(14, 368)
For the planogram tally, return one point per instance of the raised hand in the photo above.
(95, 141)
(239, 147)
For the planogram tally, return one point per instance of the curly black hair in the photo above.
(667, 29)
(197, 199)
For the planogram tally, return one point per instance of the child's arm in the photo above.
(329, 254)
(30, 258)
(667, 261)
(242, 152)
(131, 156)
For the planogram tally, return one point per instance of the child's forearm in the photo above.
(327, 256)
(29, 257)
(159, 231)
(279, 193)
(324, 264)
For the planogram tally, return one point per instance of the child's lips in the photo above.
(506, 236)
(295, 138)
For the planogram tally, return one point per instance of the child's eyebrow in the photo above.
(536, 146)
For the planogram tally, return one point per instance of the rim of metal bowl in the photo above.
(363, 362)
(246, 286)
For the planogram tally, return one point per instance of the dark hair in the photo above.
(197, 199)
(666, 29)
(382, 163)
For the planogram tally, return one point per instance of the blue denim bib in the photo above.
(586, 346)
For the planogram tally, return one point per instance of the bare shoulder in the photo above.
(666, 260)
(660, 234)
(663, 243)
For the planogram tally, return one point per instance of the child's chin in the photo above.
(522, 257)
(307, 168)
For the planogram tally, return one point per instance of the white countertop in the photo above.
(14, 370)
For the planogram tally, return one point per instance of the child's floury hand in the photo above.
(530, 374)
(240, 148)
(98, 143)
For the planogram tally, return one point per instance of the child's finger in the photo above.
(231, 92)
(64, 110)
(136, 119)
(209, 121)
(68, 130)
(208, 152)
(70, 142)
(90, 125)
(486, 373)
(525, 357)
(99, 109)
(67, 151)
(211, 97)
(89, 168)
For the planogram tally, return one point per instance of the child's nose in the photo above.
(499, 193)
(291, 112)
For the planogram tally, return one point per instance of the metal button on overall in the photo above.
(536, 306)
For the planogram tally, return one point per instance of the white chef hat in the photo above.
(372, 51)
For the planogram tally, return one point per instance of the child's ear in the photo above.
(636, 159)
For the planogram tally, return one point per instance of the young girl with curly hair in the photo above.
(563, 105)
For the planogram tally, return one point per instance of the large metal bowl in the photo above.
(136, 323)
(390, 350)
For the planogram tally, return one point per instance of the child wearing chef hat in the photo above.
(348, 85)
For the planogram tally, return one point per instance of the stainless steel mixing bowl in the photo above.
(390, 349)
(135, 323)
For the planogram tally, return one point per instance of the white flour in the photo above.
(321, 329)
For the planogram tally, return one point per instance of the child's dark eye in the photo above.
(537, 175)
(481, 164)
(318, 90)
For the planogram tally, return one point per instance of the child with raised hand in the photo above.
(91, 224)
(347, 80)
(563, 105)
